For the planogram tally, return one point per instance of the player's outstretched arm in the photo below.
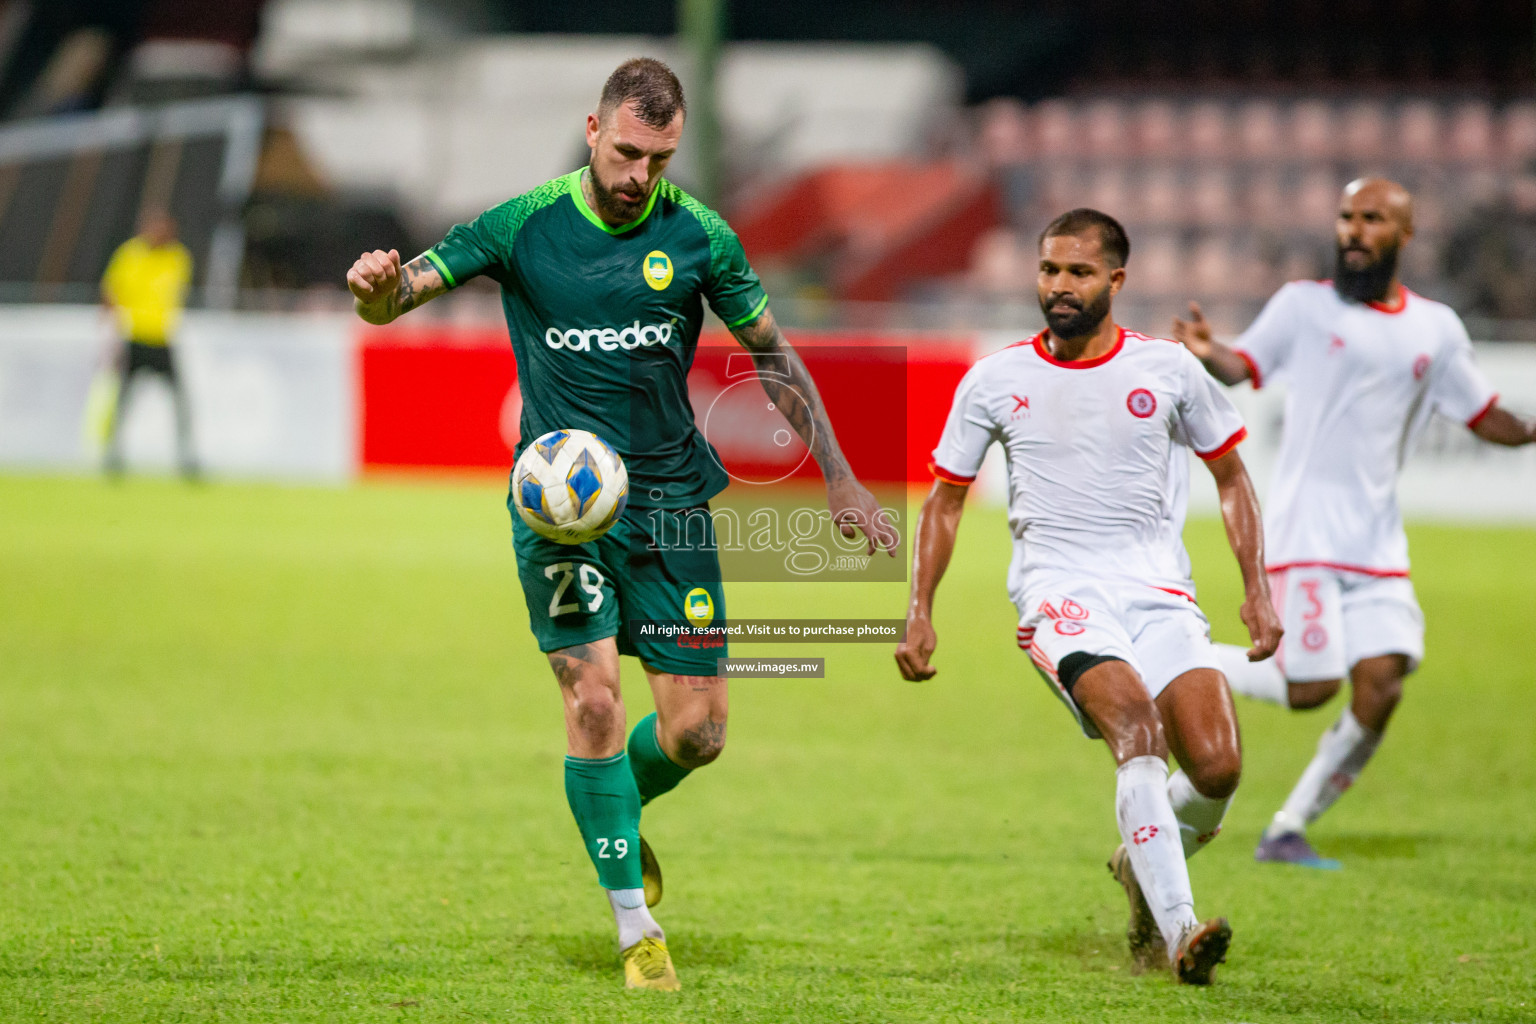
(1500, 426)
(1245, 533)
(788, 383)
(937, 525)
(1221, 361)
(382, 289)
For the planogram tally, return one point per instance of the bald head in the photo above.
(1383, 195)
(1375, 219)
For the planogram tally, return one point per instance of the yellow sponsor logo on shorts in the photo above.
(699, 607)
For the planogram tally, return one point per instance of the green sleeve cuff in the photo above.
(757, 311)
(442, 268)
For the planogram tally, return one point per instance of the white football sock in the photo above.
(1261, 680)
(1341, 756)
(1199, 816)
(632, 916)
(1151, 835)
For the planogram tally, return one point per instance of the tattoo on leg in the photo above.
(702, 743)
(568, 662)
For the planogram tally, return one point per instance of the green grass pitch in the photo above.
(290, 755)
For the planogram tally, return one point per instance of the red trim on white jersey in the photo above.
(1226, 446)
(950, 478)
(1253, 368)
(1138, 336)
(1176, 593)
(1361, 569)
(1086, 364)
(1484, 411)
(1402, 303)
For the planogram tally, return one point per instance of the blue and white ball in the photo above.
(570, 486)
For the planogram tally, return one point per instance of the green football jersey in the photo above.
(604, 321)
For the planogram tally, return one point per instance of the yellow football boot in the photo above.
(650, 873)
(647, 964)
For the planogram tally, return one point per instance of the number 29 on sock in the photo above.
(619, 848)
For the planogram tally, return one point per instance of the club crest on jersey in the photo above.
(1141, 402)
(658, 269)
(1420, 367)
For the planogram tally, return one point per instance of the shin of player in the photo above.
(1368, 362)
(1095, 421)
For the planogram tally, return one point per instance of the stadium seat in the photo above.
(1206, 130)
(1056, 130)
(1317, 197)
(1211, 199)
(1161, 196)
(1004, 136)
(1104, 129)
(1311, 130)
(1518, 135)
(1364, 131)
(1259, 130)
(1418, 134)
(1471, 134)
(1157, 128)
(1156, 266)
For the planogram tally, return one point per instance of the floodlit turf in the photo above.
(290, 755)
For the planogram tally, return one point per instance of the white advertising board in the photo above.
(272, 396)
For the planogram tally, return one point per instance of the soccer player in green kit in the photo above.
(603, 275)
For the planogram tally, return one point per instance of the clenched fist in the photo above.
(375, 276)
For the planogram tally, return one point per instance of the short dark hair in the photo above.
(1112, 237)
(650, 85)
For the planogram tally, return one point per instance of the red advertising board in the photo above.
(445, 397)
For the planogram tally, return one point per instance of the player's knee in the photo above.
(1383, 694)
(698, 742)
(1217, 777)
(1308, 695)
(595, 713)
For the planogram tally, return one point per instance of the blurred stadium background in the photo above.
(886, 164)
(288, 751)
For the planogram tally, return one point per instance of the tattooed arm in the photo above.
(788, 383)
(382, 289)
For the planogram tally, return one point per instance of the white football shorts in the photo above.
(1159, 633)
(1334, 618)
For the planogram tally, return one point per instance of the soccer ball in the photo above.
(570, 486)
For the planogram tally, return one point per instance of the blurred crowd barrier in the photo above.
(320, 397)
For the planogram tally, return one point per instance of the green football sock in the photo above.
(655, 772)
(606, 806)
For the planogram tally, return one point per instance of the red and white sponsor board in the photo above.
(440, 397)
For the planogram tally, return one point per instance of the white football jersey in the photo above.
(1362, 380)
(1097, 478)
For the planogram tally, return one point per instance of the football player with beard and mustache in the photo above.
(1367, 362)
(1096, 421)
(604, 273)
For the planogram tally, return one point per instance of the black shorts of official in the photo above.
(146, 358)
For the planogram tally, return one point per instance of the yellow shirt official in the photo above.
(147, 287)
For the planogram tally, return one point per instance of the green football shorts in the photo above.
(613, 586)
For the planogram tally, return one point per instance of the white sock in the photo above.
(632, 916)
(1261, 680)
(1151, 835)
(1199, 816)
(1341, 756)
